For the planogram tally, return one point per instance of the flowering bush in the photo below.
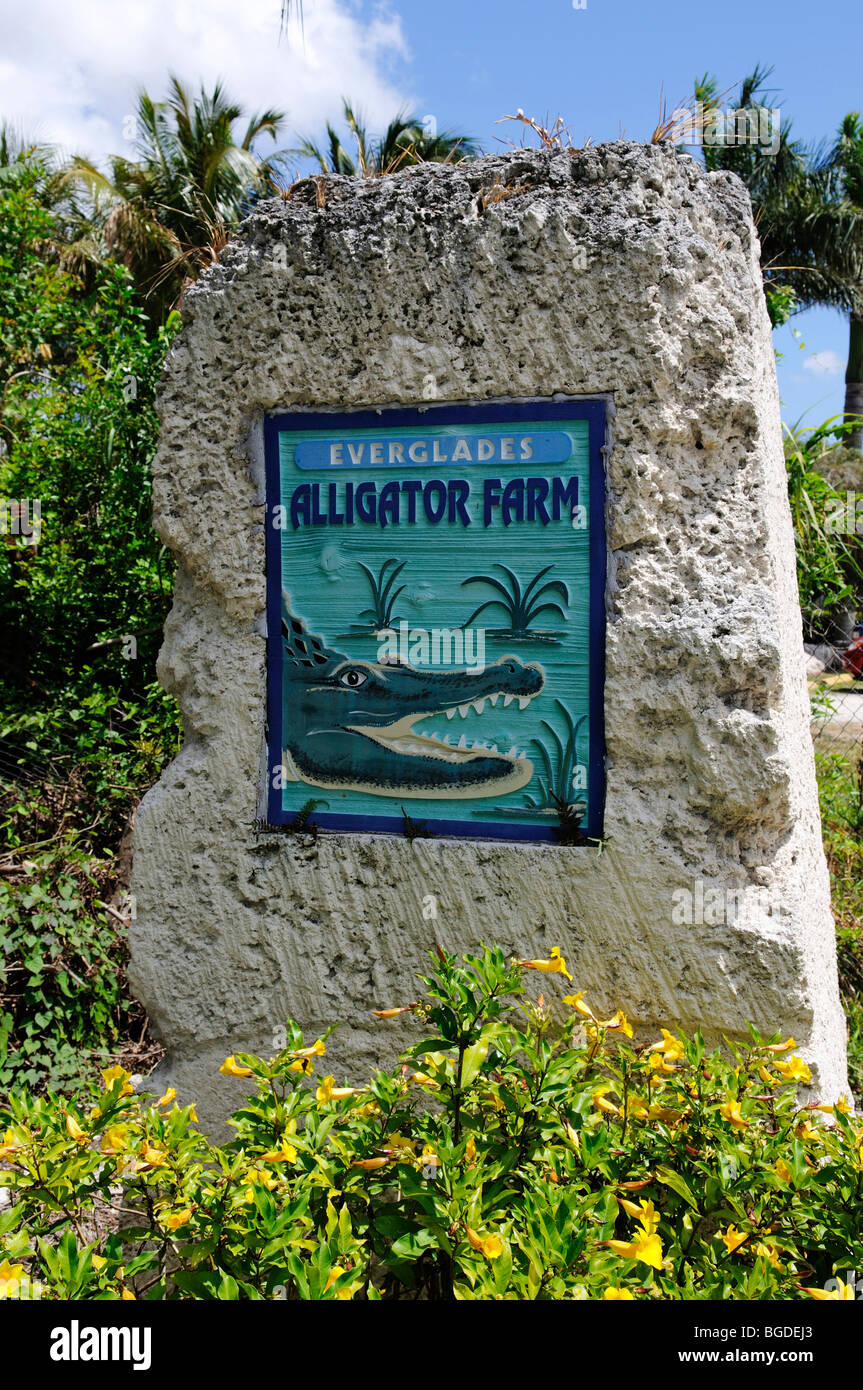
(511, 1155)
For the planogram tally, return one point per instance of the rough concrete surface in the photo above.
(473, 275)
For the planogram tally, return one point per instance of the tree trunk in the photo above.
(854, 379)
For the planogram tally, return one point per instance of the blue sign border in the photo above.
(417, 417)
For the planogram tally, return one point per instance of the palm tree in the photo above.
(169, 212)
(808, 207)
(405, 141)
(288, 8)
(846, 159)
(36, 165)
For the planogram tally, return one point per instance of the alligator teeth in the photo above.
(446, 739)
(493, 700)
(450, 713)
(513, 752)
(462, 743)
(507, 700)
(463, 709)
(521, 753)
(523, 701)
(479, 705)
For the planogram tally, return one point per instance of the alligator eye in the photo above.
(353, 678)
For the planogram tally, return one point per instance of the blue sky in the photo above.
(603, 68)
(69, 73)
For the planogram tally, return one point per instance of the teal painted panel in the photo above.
(440, 642)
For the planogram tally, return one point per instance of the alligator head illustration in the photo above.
(350, 724)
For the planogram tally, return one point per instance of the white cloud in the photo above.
(70, 69)
(827, 363)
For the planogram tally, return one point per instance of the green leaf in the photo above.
(473, 1059)
(677, 1184)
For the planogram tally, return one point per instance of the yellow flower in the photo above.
(421, 1078)
(659, 1062)
(793, 1069)
(286, 1153)
(767, 1077)
(324, 1093)
(768, 1251)
(843, 1293)
(174, 1219)
(575, 1001)
(391, 1013)
(115, 1139)
(781, 1047)
(305, 1054)
(622, 1295)
(490, 1246)
(733, 1239)
(153, 1158)
(399, 1146)
(645, 1214)
(608, 1106)
(555, 965)
(9, 1145)
(730, 1111)
(262, 1177)
(619, 1023)
(428, 1158)
(671, 1048)
(75, 1131)
(112, 1074)
(171, 1094)
(232, 1068)
(842, 1106)
(193, 1114)
(646, 1248)
(370, 1164)
(636, 1106)
(328, 1091)
(601, 1103)
(127, 1296)
(782, 1170)
(10, 1279)
(470, 1150)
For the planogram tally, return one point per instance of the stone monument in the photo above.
(622, 275)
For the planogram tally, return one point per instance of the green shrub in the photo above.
(63, 1000)
(78, 370)
(61, 986)
(829, 563)
(509, 1156)
(840, 791)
